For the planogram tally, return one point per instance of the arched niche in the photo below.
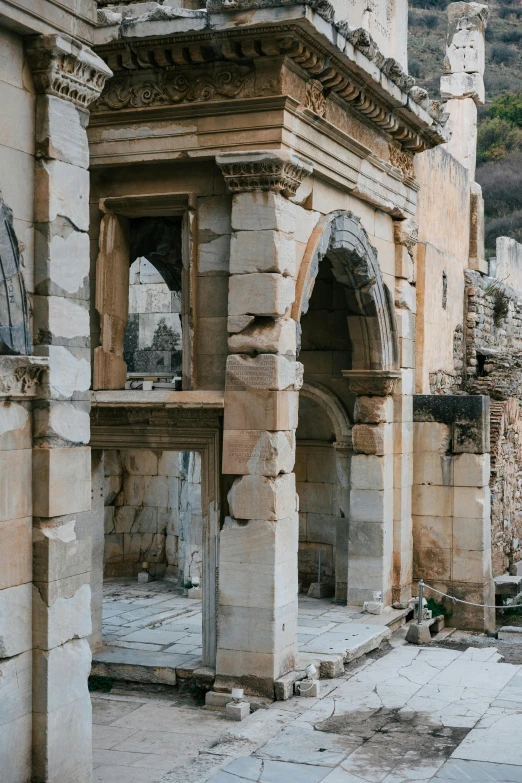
(331, 405)
(342, 238)
(15, 338)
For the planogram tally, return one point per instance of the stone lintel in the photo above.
(276, 170)
(19, 375)
(379, 383)
(467, 415)
(65, 68)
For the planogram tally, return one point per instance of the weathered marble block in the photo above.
(61, 611)
(16, 552)
(54, 734)
(60, 675)
(261, 210)
(61, 481)
(261, 497)
(62, 260)
(260, 294)
(62, 190)
(266, 371)
(69, 373)
(372, 438)
(61, 131)
(254, 452)
(66, 421)
(280, 337)
(15, 620)
(262, 251)
(259, 409)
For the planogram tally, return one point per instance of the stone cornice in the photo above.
(66, 69)
(276, 170)
(355, 73)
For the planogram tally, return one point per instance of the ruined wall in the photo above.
(506, 486)
(153, 513)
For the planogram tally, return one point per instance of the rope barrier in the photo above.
(469, 603)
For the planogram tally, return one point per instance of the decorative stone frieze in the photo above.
(380, 383)
(406, 232)
(277, 170)
(322, 7)
(65, 68)
(19, 375)
(402, 160)
(315, 100)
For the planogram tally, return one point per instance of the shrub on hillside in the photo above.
(439, 5)
(511, 36)
(502, 54)
(415, 69)
(496, 139)
(508, 226)
(502, 185)
(431, 21)
(507, 107)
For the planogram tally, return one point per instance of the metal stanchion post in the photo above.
(420, 611)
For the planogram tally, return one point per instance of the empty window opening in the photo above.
(444, 290)
(152, 343)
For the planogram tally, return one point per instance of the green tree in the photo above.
(496, 139)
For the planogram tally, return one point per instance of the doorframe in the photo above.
(177, 429)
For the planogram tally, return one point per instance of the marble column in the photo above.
(68, 77)
(258, 546)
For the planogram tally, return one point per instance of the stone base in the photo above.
(195, 592)
(310, 688)
(237, 711)
(252, 686)
(419, 634)
(320, 590)
(144, 576)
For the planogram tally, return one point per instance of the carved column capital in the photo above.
(277, 170)
(66, 69)
(406, 232)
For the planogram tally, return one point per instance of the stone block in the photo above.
(60, 675)
(15, 427)
(373, 410)
(267, 294)
(433, 467)
(259, 542)
(370, 505)
(236, 323)
(15, 689)
(278, 337)
(431, 500)
(67, 421)
(471, 534)
(371, 472)
(261, 497)
(321, 528)
(261, 210)
(61, 190)
(59, 618)
(432, 564)
(418, 634)
(463, 85)
(69, 373)
(258, 630)
(431, 436)
(316, 497)
(214, 254)
(216, 701)
(471, 502)
(16, 551)
(259, 409)
(372, 439)
(61, 131)
(320, 590)
(262, 251)
(61, 481)
(54, 734)
(15, 496)
(61, 321)
(366, 538)
(58, 554)
(253, 452)
(214, 215)
(15, 620)
(471, 470)
(471, 565)
(141, 462)
(284, 686)
(16, 748)
(432, 532)
(266, 371)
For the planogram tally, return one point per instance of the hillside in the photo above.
(500, 131)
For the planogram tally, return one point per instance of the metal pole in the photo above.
(319, 566)
(421, 599)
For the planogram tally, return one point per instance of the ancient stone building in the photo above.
(255, 199)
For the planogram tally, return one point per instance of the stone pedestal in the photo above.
(68, 77)
(258, 551)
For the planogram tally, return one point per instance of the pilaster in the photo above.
(68, 77)
(258, 550)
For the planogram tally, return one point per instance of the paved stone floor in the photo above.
(408, 714)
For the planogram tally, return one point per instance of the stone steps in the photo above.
(155, 668)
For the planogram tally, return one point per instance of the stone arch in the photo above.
(335, 411)
(341, 236)
(15, 336)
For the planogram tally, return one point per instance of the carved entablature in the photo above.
(276, 170)
(406, 232)
(66, 69)
(206, 64)
(370, 383)
(19, 375)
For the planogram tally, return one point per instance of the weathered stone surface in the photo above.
(55, 733)
(60, 675)
(262, 251)
(61, 481)
(260, 294)
(265, 371)
(280, 336)
(372, 439)
(61, 131)
(15, 496)
(260, 497)
(373, 410)
(69, 422)
(15, 688)
(260, 409)
(254, 452)
(62, 190)
(57, 621)
(61, 260)
(16, 555)
(15, 620)
(262, 210)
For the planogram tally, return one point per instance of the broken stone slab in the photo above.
(265, 371)
(510, 633)
(216, 701)
(139, 666)
(508, 585)
(251, 452)
(284, 686)
(320, 590)
(278, 336)
(260, 293)
(330, 665)
(263, 497)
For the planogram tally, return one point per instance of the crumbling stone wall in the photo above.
(153, 513)
(506, 485)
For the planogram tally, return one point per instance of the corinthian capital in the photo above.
(65, 68)
(277, 170)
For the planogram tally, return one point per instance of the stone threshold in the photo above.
(158, 397)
